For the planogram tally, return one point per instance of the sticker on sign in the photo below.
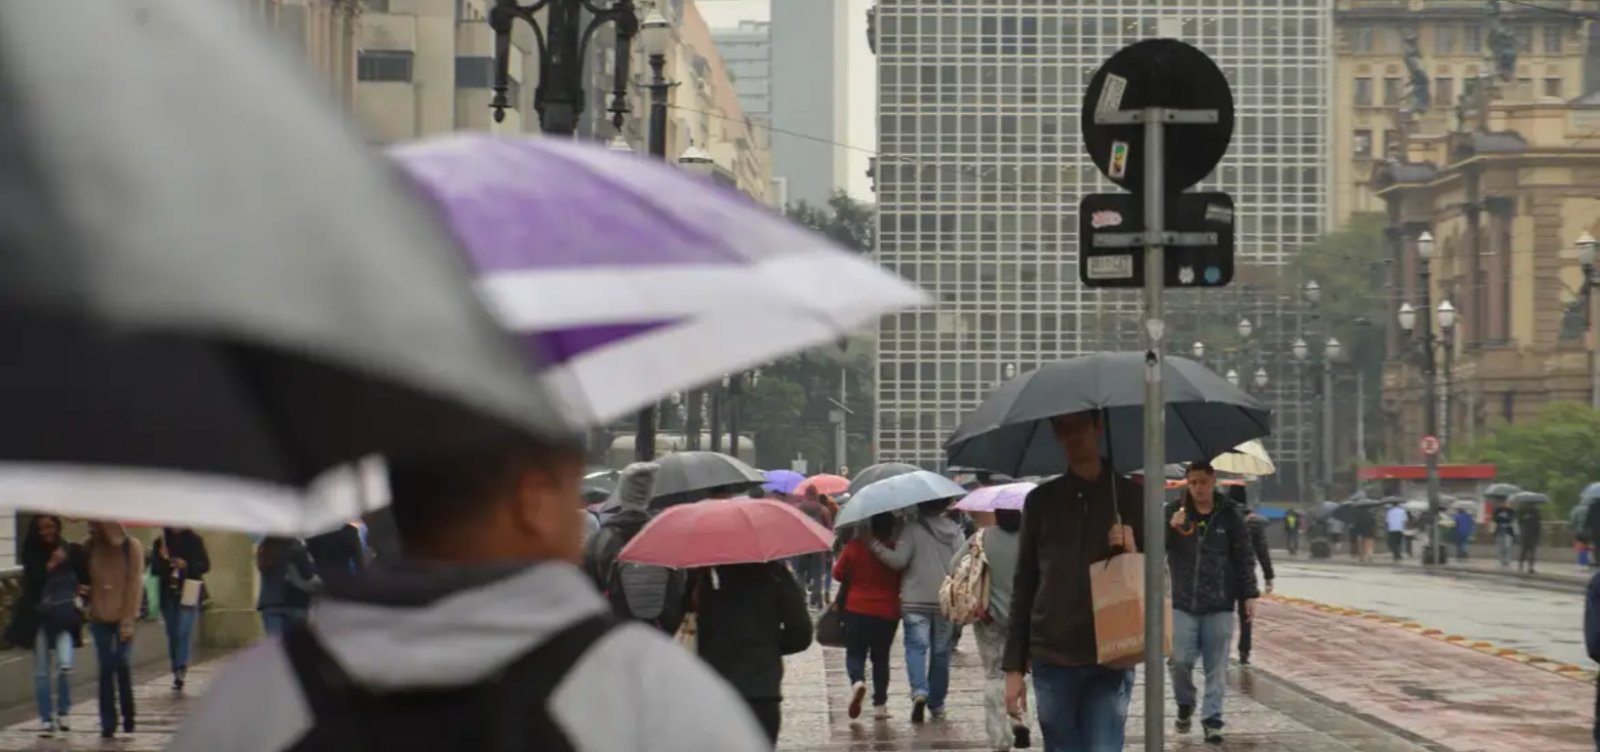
(1119, 266)
(1111, 95)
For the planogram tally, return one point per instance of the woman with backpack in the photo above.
(47, 616)
(998, 544)
(869, 602)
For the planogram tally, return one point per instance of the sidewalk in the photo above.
(1562, 574)
(159, 713)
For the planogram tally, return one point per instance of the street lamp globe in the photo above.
(697, 161)
(1425, 245)
(1301, 349)
(1447, 315)
(1010, 371)
(755, 377)
(1245, 328)
(676, 398)
(1261, 378)
(1407, 317)
(1586, 249)
(618, 143)
(1199, 350)
(727, 380)
(1313, 292)
(1233, 377)
(655, 32)
(1334, 350)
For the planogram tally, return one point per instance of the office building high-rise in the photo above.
(809, 85)
(747, 52)
(981, 168)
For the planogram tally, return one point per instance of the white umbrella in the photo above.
(1249, 458)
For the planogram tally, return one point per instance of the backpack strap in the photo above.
(330, 693)
(527, 684)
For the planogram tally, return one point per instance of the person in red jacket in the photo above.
(869, 593)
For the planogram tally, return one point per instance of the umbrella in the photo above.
(879, 472)
(1010, 432)
(213, 303)
(894, 494)
(783, 481)
(825, 483)
(1249, 458)
(726, 531)
(1529, 497)
(686, 473)
(991, 498)
(635, 279)
(1172, 471)
(1501, 491)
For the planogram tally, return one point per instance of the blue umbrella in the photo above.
(783, 481)
(896, 493)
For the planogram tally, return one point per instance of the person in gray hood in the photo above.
(922, 553)
(487, 636)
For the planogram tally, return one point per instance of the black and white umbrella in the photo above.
(689, 476)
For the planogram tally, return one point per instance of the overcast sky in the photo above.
(862, 97)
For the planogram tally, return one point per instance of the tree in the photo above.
(849, 222)
(1554, 453)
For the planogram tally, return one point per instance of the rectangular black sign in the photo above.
(1199, 234)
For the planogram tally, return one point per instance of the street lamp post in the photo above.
(1586, 259)
(1409, 318)
(1332, 352)
(656, 34)
(735, 384)
(562, 41)
(1301, 351)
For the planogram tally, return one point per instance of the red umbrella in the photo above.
(832, 485)
(726, 531)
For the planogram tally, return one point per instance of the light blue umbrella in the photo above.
(896, 493)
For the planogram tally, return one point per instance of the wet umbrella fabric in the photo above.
(1501, 491)
(632, 279)
(879, 472)
(719, 532)
(213, 303)
(1528, 497)
(783, 481)
(992, 498)
(1010, 431)
(894, 494)
(684, 474)
(1249, 458)
(832, 485)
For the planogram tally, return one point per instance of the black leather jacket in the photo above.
(1212, 564)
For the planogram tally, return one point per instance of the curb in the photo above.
(1576, 673)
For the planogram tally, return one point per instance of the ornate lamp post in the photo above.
(1408, 319)
(561, 43)
(1586, 259)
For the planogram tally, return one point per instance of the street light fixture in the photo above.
(1407, 317)
(1586, 250)
(1313, 292)
(618, 143)
(1301, 349)
(562, 43)
(1447, 316)
(1233, 377)
(1199, 350)
(1010, 371)
(1261, 378)
(1334, 350)
(655, 32)
(1425, 245)
(1245, 328)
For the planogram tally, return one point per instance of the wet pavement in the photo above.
(1564, 574)
(1505, 612)
(159, 713)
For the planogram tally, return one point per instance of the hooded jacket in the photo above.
(434, 626)
(921, 554)
(116, 577)
(1212, 565)
(750, 616)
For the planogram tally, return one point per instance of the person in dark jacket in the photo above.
(641, 592)
(1257, 525)
(870, 605)
(1212, 566)
(1591, 641)
(813, 568)
(288, 580)
(1505, 531)
(47, 561)
(338, 554)
(749, 617)
(1530, 527)
(179, 562)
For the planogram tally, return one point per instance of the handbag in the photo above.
(830, 625)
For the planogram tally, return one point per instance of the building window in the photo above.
(1524, 37)
(1391, 91)
(1472, 39)
(384, 65)
(1444, 92)
(1444, 39)
(1391, 143)
(1525, 87)
(1363, 92)
(1553, 37)
(1363, 143)
(474, 72)
(1361, 39)
(1552, 87)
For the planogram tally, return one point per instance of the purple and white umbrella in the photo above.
(634, 279)
(991, 498)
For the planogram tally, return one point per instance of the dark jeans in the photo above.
(116, 674)
(179, 621)
(769, 713)
(1397, 541)
(1244, 633)
(812, 571)
(276, 621)
(1294, 542)
(869, 636)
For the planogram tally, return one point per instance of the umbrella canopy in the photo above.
(879, 472)
(719, 532)
(683, 474)
(991, 498)
(635, 279)
(1249, 458)
(1501, 491)
(783, 481)
(1010, 432)
(1529, 497)
(894, 494)
(211, 304)
(832, 485)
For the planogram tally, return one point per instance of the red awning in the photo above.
(1420, 472)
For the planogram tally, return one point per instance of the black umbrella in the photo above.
(689, 476)
(1010, 432)
(879, 472)
(227, 290)
(1501, 491)
(1528, 497)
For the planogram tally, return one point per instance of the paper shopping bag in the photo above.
(1117, 585)
(191, 594)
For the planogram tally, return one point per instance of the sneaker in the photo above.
(1244, 659)
(47, 729)
(1022, 737)
(61, 725)
(1185, 720)
(919, 708)
(880, 712)
(127, 725)
(108, 733)
(938, 715)
(1213, 735)
(858, 694)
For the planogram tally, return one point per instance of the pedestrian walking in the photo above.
(1396, 520)
(1505, 531)
(1257, 526)
(1292, 521)
(748, 617)
(485, 635)
(813, 568)
(48, 617)
(1212, 564)
(999, 543)
(179, 562)
(339, 554)
(869, 601)
(1530, 528)
(1067, 526)
(116, 573)
(288, 582)
(921, 554)
(642, 592)
(1465, 525)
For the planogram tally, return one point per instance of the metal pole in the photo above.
(1327, 423)
(1361, 415)
(1588, 330)
(1302, 437)
(1155, 429)
(735, 401)
(716, 417)
(644, 443)
(1430, 406)
(840, 436)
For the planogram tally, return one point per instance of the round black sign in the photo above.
(1158, 73)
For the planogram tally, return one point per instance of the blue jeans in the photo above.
(61, 647)
(116, 673)
(927, 644)
(180, 621)
(1082, 708)
(1502, 544)
(277, 621)
(1204, 638)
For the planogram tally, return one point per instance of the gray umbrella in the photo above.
(896, 493)
(1529, 497)
(1010, 432)
(227, 283)
(1501, 491)
(687, 476)
(879, 472)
